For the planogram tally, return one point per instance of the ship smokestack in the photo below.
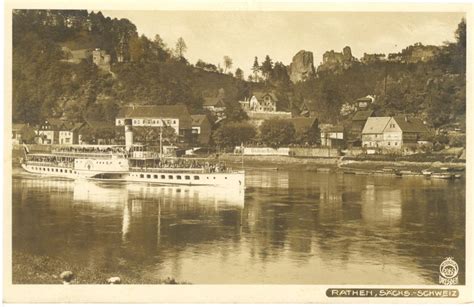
(128, 134)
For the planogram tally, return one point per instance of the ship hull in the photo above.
(165, 177)
(234, 179)
(71, 173)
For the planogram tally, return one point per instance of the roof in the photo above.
(98, 124)
(260, 94)
(58, 124)
(375, 125)
(213, 102)
(367, 98)
(410, 124)
(303, 123)
(179, 111)
(362, 115)
(198, 119)
(77, 126)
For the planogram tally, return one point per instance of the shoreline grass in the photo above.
(39, 269)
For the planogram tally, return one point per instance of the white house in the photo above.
(175, 116)
(393, 132)
(260, 102)
(55, 131)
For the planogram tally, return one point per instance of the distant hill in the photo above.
(48, 83)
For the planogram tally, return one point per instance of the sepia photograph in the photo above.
(239, 147)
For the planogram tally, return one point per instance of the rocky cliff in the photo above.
(302, 66)
(335, 61)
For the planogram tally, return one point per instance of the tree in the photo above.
(239, 74)
(460, 34)
(267, 67)
(227, 63)
(180, 48)
(233, 134)
(255, 69)
(277, 132)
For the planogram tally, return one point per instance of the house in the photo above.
(357, 125)
(306, 128)
(176, 116)
(332, 136)
(201, 129)
(55, 131)
(22, 133)
(262, 106)
(393, 132)
(260, 102)
(216, 105)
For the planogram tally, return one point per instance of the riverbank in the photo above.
(333, 164)
(38, 269)
(279, 162)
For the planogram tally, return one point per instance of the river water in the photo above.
(287, 227)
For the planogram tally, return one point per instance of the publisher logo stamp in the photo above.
(448, 272)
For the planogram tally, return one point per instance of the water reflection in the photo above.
(287, 227)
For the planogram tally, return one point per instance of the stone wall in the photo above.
(314, 152)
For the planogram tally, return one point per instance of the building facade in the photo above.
(175, 116)
(393, 132)
(56, 131)
(260, 102)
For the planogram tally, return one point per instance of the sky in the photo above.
(242, 35)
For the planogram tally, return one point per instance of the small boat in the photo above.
(426, 172)
(457, 176)
(442, 175)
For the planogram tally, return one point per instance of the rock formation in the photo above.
(337, 60)
(302, 66)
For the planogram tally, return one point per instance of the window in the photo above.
(155, 176)
(388, 143)
(187, 177)
(148, 176)
(178, 177)
(196, 177)
(396, 143)
(142, 176)
(170, 177)
(163, 176)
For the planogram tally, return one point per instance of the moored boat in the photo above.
(443, 175)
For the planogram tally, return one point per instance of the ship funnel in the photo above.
(128, 134)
